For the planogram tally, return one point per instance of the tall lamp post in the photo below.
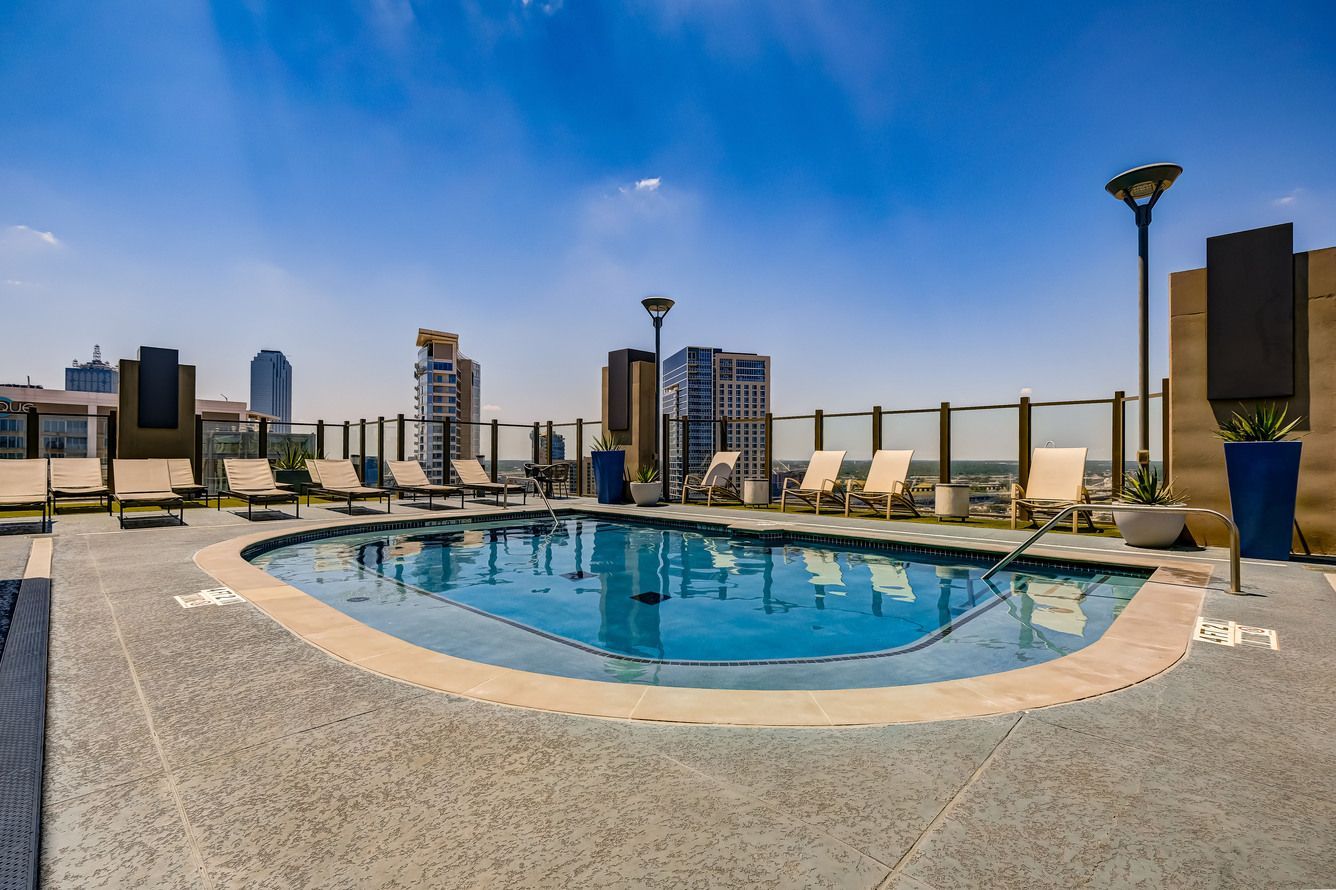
(1149, 181)
(657, 306)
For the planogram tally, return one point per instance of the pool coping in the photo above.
(1150, 636)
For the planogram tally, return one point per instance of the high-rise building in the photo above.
(94, 376)
(558, 446)
(449, 387)
(271, 385)
(704, 384)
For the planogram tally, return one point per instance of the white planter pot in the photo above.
(646, 494)
(1146, 528)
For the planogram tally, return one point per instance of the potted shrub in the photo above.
(1262, 464)
(1146, 528)
(609, 469)
(646, 489)
(290, 465)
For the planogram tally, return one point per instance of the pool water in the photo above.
(646, 593)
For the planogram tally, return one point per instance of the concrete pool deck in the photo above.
(209, 747)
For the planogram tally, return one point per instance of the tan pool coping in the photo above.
(1150, 636)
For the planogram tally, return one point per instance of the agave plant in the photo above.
(1264, 423)
(606, 443)
(292, 455)
(646, 473)
(1146, 487)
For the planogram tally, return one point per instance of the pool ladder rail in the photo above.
(526, 481)
(1234, 586)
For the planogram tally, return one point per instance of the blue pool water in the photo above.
(606, 598)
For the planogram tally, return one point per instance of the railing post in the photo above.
(197, 453)
(347, 441)
(496, 438)
(320, 440)
(876, 428)
(580, 456)
(1024, 443)
(769, 448)
(536, 444)
(723, 434)
(33, 430)
(361, 450)
(264, 438)
(1119, 441)
(818, 430)
(551, 445)
(684, 436)
(380, 450)
(111, 439)
(944, 444)
(399, 443)
(1164, 427)
(446, 451)
(663, 456)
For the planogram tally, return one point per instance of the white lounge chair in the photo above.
(337, 478)
(23, 486)
(409, 477)
(473, 477)
(78, 479)
(820, 482)
(717, 481)
(1057, 480)
(887, 484)
(145, 483)
(252, 480)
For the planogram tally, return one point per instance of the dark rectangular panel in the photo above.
(619, 386)
(1250, 314)
(159, 388)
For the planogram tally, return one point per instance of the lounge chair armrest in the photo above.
(693, 479)
(1017, 490)
(790, 482)
(854, 485)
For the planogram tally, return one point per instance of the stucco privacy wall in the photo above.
(1197, 456)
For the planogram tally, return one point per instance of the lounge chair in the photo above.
(145, 483)
(78, 479)
(252, 480)
(473, 477)
(339, 479)
(23, 486)
(1057, 480)
(717, 481)
(409, 477)
(183, 480)
(820, 482)
(887, 484)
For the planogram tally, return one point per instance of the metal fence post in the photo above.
(551, 445)
(769, 447)
(944, 445)
(380, 450)
(361, 450)
(876, 428)
(537, 444)
(1024, 443)
(446, 451)
(33, 429)
(663, 456)
(198, 450)
(1119, 442)
(264, 438)
(684, 436)
(1165, 430)
(320, 440)
(818, 430)
(723, 434)
(399, 451)
(347, 441)
(580, 455)
(496, 438)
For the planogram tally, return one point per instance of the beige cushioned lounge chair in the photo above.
(1057, 480)
(717, 481)
(820, 483)
(78, 479)
(183, 480)
(23, 486)
(145, 483)
(409, 477)
(887, 484)
(473, 477)
(252, 480)
(338, 478)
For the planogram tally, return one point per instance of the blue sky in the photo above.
(900, 205)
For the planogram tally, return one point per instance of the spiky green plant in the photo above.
(292, 455)
(606, 443)
(646, 473)
(1146, 487)
(1264, 423)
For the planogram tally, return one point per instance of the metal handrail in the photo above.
(1234, 585)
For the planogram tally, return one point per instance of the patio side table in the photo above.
(952, 500)
(755, 492)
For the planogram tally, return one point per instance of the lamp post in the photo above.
(1149, 181)
(657, 307)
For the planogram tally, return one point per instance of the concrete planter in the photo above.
(1143, 528)
(646, 494)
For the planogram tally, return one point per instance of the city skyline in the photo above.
(792, 171)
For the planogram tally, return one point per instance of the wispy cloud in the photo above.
(48, 238)
(1288, 200)
(641, 185)
(492, 409)
(546, 7)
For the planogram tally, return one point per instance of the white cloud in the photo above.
(546, 7)
(1026, 392)
(648, 185)
(29, 232)
(14, 282)
(492, 409)
(1288, 200)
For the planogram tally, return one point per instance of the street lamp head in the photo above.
(1143, 182)
(657, 306)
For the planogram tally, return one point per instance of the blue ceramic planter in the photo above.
(609, 474)
(1263, 481)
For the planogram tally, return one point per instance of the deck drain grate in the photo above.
(651, 597)
(577, 576)
(1230, 633)
(214, 596)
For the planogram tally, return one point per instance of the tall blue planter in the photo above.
(1263, 482)
(609, 473)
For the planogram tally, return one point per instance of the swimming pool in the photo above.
(696, 605)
